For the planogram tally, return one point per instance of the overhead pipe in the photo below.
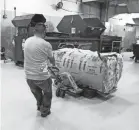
(4, 15)
(14, 11)
(107, 9)
(15, 16)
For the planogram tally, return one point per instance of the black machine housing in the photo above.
(83, 33)
(136, 51)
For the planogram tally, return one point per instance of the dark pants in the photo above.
(42, 91)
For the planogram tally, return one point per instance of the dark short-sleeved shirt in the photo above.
(36, 53)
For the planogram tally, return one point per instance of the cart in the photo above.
(64, 83)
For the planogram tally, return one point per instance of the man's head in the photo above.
(40, 29)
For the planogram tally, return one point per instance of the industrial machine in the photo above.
(111, 44)
(84, 33)
(74, 32)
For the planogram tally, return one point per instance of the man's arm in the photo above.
(50, 55)
(52, 60)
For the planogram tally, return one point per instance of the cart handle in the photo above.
(53, 69)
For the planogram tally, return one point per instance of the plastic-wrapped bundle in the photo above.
(89, 69)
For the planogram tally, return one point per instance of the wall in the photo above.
(132, 6)
(116, 10)
(36, 6)
(136, 20)
(130, 37)
(45, 7)
(90, 10)
(7, 29)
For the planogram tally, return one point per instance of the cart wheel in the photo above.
(58, 92)
(62, 93)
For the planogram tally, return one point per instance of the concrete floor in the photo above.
(121, 112)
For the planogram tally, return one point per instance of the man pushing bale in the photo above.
(37, 55)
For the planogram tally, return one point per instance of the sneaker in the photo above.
(45, 114)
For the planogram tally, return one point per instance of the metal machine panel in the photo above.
(25, 20)
(87, 27)
(18, 49)
(70, 22)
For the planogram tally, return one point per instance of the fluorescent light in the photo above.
(122, 5)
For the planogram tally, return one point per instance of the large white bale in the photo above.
(88, 69)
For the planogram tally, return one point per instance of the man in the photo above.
(37, 54)
(134, 55)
